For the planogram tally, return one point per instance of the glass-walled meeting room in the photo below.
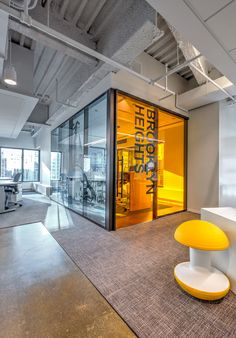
(120, 161)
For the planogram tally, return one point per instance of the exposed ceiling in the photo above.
(209, 25)
(120, 30)
(167, 51)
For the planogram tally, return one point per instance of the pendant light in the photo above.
(10, 76)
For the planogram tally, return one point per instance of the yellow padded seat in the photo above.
(201, 235)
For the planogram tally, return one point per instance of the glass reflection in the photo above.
(78, 161)
(95, 162)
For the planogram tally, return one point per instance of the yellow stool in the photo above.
(198, 277)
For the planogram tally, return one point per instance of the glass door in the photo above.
(150, 162)
(136, 166)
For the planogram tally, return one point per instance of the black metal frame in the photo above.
(22, 162)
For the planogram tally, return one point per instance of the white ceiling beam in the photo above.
(95, 14)
(22, 40)
(51, 43)
(79, 12)
(162, 51)
(64, 27)
(112, 9)
(64, 7)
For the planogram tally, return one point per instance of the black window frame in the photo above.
(22, 162)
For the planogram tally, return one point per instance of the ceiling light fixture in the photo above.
(10, 76)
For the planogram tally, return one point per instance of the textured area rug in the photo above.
(32, 211)
(133, 269)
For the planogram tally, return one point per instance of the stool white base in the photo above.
(201, 282)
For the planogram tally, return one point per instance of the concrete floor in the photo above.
(44, 294)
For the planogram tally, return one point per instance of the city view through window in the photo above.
(24, 161)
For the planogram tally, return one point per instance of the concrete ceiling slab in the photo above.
(14, 111)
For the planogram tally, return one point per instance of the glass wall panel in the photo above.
(31, 165)
(170, 163)
(78, 161)
(136, 162)
(95, 161)
(60, 143)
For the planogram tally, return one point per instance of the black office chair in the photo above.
(16, 178)
(9, 190)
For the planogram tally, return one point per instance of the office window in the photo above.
(30, 165)
(55, 165)
(11, 162)
(24, 161)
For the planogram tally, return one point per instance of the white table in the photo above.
(225, 218)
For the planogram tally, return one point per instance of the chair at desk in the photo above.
(9, 191)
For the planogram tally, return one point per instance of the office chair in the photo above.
(12, 191)
(16, 178)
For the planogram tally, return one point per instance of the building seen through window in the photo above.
(24, 161)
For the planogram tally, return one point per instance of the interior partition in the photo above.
(79, 162)
(150, 162)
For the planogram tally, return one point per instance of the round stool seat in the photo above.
(202, 283)
(203, 235)
(198, 277)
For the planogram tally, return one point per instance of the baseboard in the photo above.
(195, 211)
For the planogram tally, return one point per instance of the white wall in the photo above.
(24, 140)
(43, 143)
(227, 166)
(203, 158)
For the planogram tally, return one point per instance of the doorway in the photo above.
(150, 162)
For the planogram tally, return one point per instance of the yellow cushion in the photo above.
(201, 235)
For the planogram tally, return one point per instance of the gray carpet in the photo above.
(32, 211)
(133, 269)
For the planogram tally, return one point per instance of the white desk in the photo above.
(225, 218)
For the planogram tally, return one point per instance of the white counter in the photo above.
(225, 218)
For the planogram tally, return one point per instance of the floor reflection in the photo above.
(58, 217)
